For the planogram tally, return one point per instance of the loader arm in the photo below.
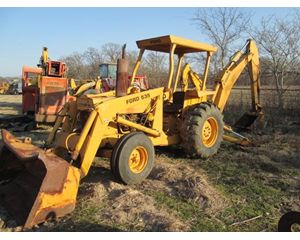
(233, 70)
(106, 114)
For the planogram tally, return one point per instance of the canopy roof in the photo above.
(163, 44)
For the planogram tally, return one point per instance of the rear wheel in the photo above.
(133, 158)
(202, 130)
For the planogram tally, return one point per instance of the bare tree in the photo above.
(76, 66)
(132, 57)
(86, 65)
(224, 27)
(111, 51)
(279, 41)
(154, 67)
(93, 57)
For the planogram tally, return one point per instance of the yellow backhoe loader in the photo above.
(4, 87)
(124, 124)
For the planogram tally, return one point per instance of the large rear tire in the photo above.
(133, 158)
(202, 130)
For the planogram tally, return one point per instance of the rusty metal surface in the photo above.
(23, 151)
(29, 98)
(52, 213)
(122, 78)
(52, 95)
(18, 196)
(27, 175)
(57, 170)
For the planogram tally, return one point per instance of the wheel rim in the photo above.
(138, 159)
(209, 132)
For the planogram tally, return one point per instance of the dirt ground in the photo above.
(238, 189)
(10, 104)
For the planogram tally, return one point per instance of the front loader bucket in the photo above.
(248, 119)
(35, 185)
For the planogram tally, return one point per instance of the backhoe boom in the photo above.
(233, 70)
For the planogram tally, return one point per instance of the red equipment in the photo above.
(108, 75)
(44, 90)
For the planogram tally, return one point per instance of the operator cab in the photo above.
(176, 97)
(108, 75)
(55, 68)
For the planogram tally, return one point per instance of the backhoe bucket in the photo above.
(248, 119)
(35, 185)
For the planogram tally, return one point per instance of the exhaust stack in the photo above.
(122, 81)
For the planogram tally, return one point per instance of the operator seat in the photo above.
(177, 104)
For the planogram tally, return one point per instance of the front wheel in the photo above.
(133, 159)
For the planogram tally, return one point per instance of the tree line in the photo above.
(278, 40)
(86, 65)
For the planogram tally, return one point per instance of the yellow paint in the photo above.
(178, 71)
(138, 159)
(209, 132)
(4, 86)
(98, 85)
(108, 112)
(67, 196)
(171, 65)
(137, 65)
(45, 55)
(233, 70)
(187, 46)
(73, 84)
(84, 134)
(150, 131)
(92, 141)
(110, 117)
(84, 87)
(68, 193)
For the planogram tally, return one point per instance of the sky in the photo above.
(24, 31)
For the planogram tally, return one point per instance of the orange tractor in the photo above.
(44, 89)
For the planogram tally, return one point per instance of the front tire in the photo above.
(114, 156)
(202, 130)
(133, 159)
